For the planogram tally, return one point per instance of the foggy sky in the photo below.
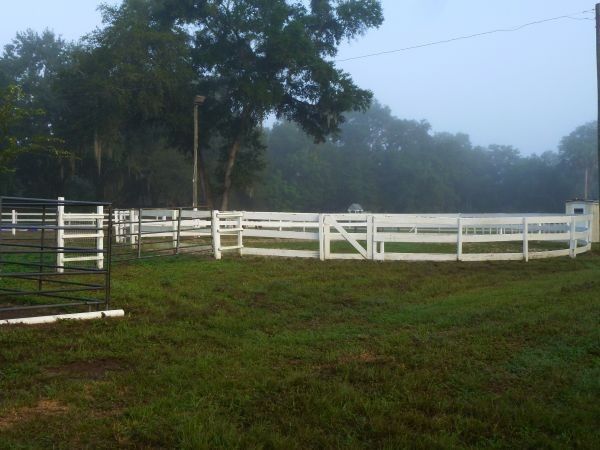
(527, 88)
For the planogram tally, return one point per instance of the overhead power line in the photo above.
(471, 36)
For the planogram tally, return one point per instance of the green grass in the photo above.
(273, 353)
(28, 263)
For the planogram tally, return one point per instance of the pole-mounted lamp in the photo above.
(198, 100)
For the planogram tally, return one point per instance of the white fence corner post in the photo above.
(100, 237)
(216, 236)
(60, 235)
(572, 237)
(525, 239)
(459, 239)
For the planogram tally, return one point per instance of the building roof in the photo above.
(355, 207)
(579, 200)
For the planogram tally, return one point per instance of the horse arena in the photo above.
(57, 254)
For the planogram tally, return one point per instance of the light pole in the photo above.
(598, 84)
(198, 100)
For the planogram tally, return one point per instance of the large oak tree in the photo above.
(255, 58)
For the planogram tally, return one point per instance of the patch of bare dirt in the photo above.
(94, 369)
(364, 357)
(44, 407)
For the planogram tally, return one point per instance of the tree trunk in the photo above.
(206, 194)
(242, 128)
(233, 151)
(98, 151)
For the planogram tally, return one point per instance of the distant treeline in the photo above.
(391, 165)
(124, 116)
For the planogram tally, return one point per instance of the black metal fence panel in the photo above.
(143, 233)
(55, 256)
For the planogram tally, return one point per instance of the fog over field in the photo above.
(526, 88)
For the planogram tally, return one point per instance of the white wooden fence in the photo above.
(378, 237)
(366, 235)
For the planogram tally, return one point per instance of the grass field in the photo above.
(268, 353)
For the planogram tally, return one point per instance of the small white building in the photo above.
(586, 207)
(355, 208)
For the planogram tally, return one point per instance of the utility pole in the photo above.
(598, 82)
(585, 189)
(198, 100)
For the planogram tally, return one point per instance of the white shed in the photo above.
(355, 208)
(586, 207)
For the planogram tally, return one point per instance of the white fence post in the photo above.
(370, 234)
(321, 237)
(100, 237)
(60, 235)
(132, 222)
(525, 239)
(326, 237)
(459, 239)
(14, 221)
(175, 219)
(216, 236)
(140, 218)
(122, 227)
(116, 225)
(240, 241)
(572, 238)
(378, 253)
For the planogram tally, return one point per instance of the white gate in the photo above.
(351, 228)
(227, 224)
